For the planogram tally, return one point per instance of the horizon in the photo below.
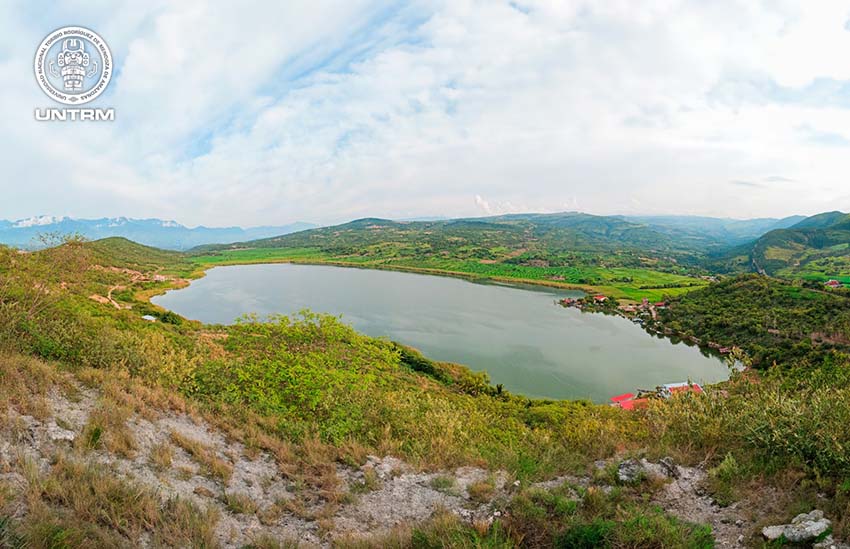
(469, 109)
(423, 218)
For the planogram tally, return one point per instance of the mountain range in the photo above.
(572, 231)
(815, 247)
(159, 233)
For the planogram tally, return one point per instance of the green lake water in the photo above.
(516, 334)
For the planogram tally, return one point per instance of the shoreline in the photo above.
(610, 291)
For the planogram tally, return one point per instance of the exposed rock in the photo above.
(830, 543)
(630, 471)
(684, 498)
(669, 467)
(804, 527)
(58, 434)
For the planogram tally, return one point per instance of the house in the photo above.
(660, 305)
(669, 389)
(629, 401)
(834, 284)
(149, 318)
(600, 298)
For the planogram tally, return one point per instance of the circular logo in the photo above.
(73, 65)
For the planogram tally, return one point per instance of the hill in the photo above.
(817, 248)
(730, 232)
(772, 320)
(117, 431)
(170, 235)
(560, 232)
(604, 254)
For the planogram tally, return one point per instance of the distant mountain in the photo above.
(566, 231)
(168, 235)
(823, 221)
(817, 247)
(728, 231)
(526, 236)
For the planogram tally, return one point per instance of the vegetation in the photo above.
(776, 322)
(816, 249)
(312, 392)
(610, 255)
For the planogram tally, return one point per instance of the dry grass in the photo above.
(161, 456)
(205, 456)
(107, 428)
(80, 504)
(25, 383)
(481, 491)
(240, 503)
(94, 496)
(370, 482)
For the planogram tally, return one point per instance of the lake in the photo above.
(516, 334)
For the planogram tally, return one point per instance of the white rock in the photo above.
(804, 527)
(57, 434)
(773, 532)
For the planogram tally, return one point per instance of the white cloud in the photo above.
(258, 114)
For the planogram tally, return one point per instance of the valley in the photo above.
(321, 407)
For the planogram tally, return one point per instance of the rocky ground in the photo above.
(177, 454)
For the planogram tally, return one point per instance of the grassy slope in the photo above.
(817, 248)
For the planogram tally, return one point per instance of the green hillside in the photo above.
(772, 320)
(606, 254)
(484, 237)
(817, 248)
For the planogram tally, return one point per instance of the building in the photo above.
(834, 284)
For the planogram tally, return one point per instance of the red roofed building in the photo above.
(834, 284)
(600, 298)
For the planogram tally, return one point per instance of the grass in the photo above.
(77, 504)
(481, 491)
(240, 503)
(370, 482)
(161, 456)
(446, 484)
(107, 428)
(214, 466)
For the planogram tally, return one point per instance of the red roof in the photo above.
(685, 388)
(833, 283)
(624, 396)
(633, 404)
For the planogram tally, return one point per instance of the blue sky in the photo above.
(257, 113)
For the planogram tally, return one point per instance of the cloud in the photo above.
(266, 113)
(742, 183)
(830, 139)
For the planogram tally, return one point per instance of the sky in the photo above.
(265, 113)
